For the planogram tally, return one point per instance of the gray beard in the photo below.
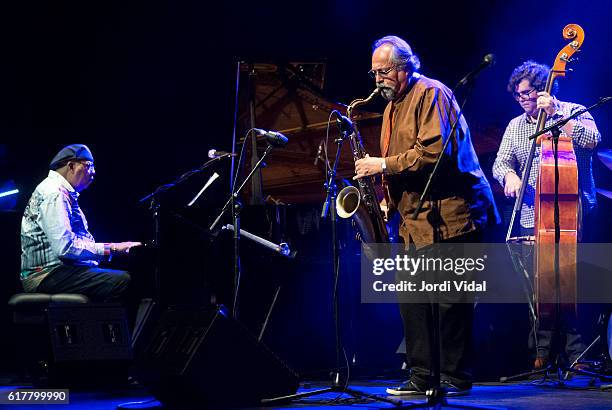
(387, 93)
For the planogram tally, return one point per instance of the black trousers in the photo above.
(455, 325)
(96, 283)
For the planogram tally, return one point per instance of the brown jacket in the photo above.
(460, 198)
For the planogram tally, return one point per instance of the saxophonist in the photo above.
(416, 123)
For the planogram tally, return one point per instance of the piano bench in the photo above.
(31, 308)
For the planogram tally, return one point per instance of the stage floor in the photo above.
(577, 394)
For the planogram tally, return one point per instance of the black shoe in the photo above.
(452, 389)
(408, 388)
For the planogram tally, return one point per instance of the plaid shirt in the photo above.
(54, 232)
(514, 150)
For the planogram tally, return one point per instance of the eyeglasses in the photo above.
(522, 94)
(383, 72)
(88, 164)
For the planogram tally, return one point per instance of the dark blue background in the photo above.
(149, 86)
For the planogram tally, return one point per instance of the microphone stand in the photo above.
(441, 156)
(282, 249)
(236, 207)
(154, 206)
(563, 121)
(527, 171)
(329, 207)
(436, 395)
(555, 130)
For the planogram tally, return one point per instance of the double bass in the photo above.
(557, 208)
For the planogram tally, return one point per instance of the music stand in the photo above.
(234, 204)
(153, 199)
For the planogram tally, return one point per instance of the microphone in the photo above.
(213, 153)
(487, 61)
(345, 124)
(282, 248)
(274, 138)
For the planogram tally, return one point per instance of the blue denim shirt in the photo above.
(54, 232)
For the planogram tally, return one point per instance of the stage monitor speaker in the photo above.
(203, 357)
(90, 347)
(89, 332)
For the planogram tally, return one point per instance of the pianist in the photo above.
(58, 253)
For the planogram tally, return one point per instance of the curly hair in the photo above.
(402, 53)
(535, 73)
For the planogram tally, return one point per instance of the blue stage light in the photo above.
(7, 193)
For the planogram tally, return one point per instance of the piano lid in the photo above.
(288, 98)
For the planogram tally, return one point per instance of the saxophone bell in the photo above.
(367, 221)
(348, 201)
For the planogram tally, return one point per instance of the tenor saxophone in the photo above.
(360, 203)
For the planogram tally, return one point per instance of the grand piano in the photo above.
(288, 98)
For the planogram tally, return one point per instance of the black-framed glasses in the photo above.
(382, 71)
(523, 94)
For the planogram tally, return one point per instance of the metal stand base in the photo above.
(562, 372)
(336, 387)
(436, 399)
